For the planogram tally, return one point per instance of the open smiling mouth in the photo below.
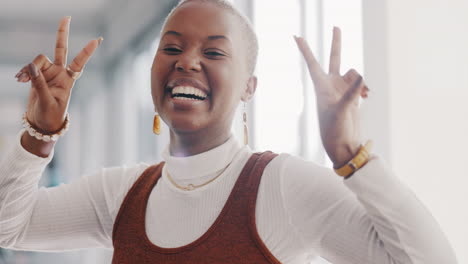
(188, 93)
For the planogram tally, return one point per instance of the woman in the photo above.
(213, 200)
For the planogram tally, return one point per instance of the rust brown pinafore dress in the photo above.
(232, 238)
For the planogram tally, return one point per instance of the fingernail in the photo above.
(100, 39)
(18, 74)
(68, 17)
(22, 77)
(33, 70)
(296, 38)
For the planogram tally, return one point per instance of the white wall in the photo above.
(417, 65)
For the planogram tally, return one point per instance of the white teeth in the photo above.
(185, 98)
(188, 90)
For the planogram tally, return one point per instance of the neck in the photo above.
(189, 144)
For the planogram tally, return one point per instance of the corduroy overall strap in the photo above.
(232, 238)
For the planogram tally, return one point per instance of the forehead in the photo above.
(201, 20)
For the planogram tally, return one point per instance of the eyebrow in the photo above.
(215, 37)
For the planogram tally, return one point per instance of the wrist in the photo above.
(345, 155)
(37, 147)
(45, 136)
(359, 160)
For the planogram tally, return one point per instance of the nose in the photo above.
(188, 62)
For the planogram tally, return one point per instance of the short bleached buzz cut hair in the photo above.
(249, 35)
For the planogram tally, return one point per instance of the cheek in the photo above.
(157, 76)
(157, 70)
(226, 87)
(156, 84)
(224, 79)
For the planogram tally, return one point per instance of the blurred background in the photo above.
(413, 55)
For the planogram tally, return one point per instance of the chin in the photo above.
(185, 125)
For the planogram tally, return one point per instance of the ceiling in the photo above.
(28, 27)
(46, 9)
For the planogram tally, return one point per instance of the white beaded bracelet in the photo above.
(47, 138)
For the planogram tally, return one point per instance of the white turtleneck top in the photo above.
(303, 209)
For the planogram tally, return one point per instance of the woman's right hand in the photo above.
(51, 83)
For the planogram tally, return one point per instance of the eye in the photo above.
(212, 53)
(172, 50)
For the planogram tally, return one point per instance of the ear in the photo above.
(250, 88)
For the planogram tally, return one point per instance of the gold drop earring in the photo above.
(246, 129)
(156, 125)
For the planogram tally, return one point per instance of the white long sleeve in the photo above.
(302, 209)
(371, 218)
(65, 217)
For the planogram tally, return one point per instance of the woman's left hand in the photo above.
(337, 102)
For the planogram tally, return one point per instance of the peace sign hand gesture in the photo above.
(337, 102)
(51, 83)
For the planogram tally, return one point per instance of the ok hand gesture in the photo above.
(337, 102)
(51, 82)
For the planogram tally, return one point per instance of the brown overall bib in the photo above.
(232, 238)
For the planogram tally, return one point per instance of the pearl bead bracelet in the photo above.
(46, 137)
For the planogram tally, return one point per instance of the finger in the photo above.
(61, 45)
(365, 92)
(23, 70)
(42, 63)
(335, 54)
(82, 58)
(23, 75)
(351, 75)
(314, 67)
(354, 91)
(38, 83)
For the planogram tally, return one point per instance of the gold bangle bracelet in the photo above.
(357, 162)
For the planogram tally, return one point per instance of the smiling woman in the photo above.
(212, 199)
(207, 55)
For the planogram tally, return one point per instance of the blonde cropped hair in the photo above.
(249, 35)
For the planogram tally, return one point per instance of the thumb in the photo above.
(38, 82)
(354, 91)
